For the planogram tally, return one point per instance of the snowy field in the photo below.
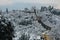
(26, 23)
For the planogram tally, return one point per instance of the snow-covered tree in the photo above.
(6, 10)
(50, 8)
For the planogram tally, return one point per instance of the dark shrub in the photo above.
(24, 22)
(6, 30)
(24, 37)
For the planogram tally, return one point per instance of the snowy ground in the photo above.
(26, 23)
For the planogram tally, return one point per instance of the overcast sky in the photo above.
(50, 2)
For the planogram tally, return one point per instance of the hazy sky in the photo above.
(50, 2)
